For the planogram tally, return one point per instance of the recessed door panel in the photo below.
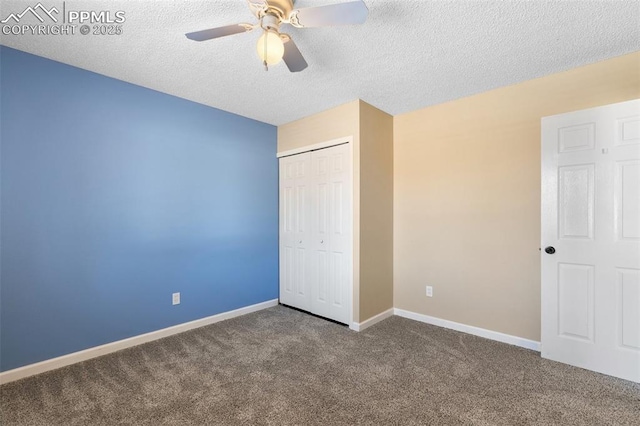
(322, 271)
(322, 207)
(338, 208)
(301, 272)
(627, 200)
(629, 288)
(287, 211)
(628, 131)
(576, 138)
(301, 168)
(289, 170)
(301, 208)
(575, 301)
(338, 264)
(323, 166)
(576, 201)
(288, 275)
(337, 159)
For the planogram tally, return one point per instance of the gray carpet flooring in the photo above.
(283, 367)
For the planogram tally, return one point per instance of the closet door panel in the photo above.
(294, 232)
(341, 232)
(320, 215)
(331, 241)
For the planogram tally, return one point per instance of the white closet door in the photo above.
(331, 260)
(591, 239)
(316, 232)
(294, 231)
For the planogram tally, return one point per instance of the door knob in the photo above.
(549, 250)
(321, 241)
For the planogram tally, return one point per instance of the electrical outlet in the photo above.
(175, 298)
(429, 291)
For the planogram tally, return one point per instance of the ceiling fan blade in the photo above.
(219, 32)
(257, 7)
(292, 56)
(354, 12)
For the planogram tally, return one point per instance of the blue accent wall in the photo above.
(113, 197)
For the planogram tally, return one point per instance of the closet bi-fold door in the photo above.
(294, 232)
(315, 232)
(330, 269)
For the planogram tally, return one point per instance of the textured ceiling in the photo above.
(408, 55)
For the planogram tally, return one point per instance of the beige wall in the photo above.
(376, 211)
(335, 123)
(467, 196)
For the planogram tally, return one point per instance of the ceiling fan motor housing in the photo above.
(281, 8)
(270, 22)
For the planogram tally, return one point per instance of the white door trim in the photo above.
(317, 146)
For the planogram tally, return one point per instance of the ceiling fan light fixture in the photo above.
(274, 46)
(270, 47)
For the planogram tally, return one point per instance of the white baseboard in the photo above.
(371, 321)
(63, 361)
(469, 329)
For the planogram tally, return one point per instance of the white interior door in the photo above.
(315, 232)
(294, 231)
(331, 232)
(591, 239)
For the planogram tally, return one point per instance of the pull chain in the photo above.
(266, 67)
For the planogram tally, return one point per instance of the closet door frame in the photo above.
(353, 267)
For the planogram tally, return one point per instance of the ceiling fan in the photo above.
(274, 46)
